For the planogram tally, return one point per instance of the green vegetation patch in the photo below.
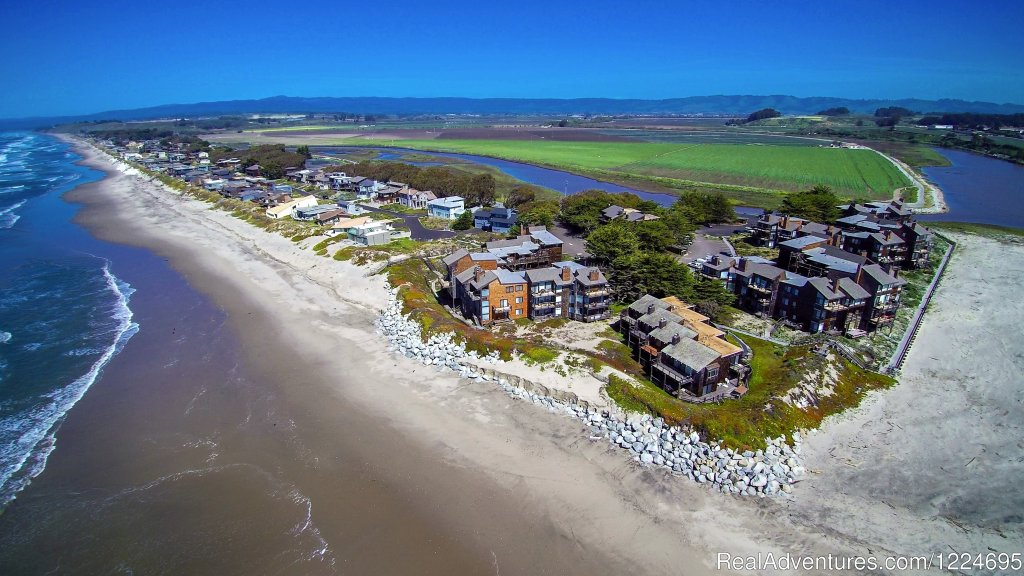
(761, 413)
(849, 171)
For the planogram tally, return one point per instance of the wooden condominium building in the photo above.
(883, 232)
(849, 297)
(681, 351)
(486, 292)
(535, 248)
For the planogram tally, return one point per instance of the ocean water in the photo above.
(63, 311)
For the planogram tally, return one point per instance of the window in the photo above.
(504, 303)
(519, 288)
(510, 289)
(713, 372)
(485, 292)
(484, 305)
(518, 312)
(519, 299)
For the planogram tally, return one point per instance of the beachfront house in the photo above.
(286, 209)
(681, 351)
(449, 208)
(373, 233)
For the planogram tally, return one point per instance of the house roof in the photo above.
(346, 223)
(824, 287)
(509, 277)
(612, 211)
(801, 242)
(545, 238)
(582, 273)
(890, 241)
(448, 202)
(645, 301)
(673, 329)
(852, 289)
(455, 257)
(659, 314)
(551, 274)
(690, 353)
(881, 276)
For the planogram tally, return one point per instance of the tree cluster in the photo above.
(763, 114)
(837, 111)
(891, 111)
(818, 203)
(274, 159)
(442, 181)
(968, 121)
(636, 255)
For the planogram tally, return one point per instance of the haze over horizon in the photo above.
(77, 59)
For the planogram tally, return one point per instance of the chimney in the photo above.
(860, 272)
(565, 273)
(662, 323)
(594, 274)
(675, 338)
(741, 264)
(888, 233)
(478, 273)
(785, 220)
(522, 229)
(650, 308)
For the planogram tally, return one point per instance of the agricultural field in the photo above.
(854, 173)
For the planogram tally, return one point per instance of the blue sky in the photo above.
(68, 57)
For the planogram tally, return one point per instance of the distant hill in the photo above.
(739, 105)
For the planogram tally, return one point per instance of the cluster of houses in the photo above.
(281, 200)
(842, 277)
(681, 351)
(525, 277)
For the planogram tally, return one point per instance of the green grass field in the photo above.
(733, 168)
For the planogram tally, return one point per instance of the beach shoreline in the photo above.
(595, 507)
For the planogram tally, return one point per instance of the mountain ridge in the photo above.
(690, 105)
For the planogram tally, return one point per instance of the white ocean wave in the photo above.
(5, 337)
(37, 430)
(7, 216)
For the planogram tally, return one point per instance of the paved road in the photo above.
(571, 245)
(702, 246)
(416, 229)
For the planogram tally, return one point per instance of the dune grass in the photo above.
(761, 413)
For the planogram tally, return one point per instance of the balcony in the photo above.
(597, 292)
(543, 305)
(624, 318)
(679, 377)
(543, 292)
(596, 305)
(634, 333)
(836, 306)
(759, 288)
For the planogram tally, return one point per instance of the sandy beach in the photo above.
(510, 489)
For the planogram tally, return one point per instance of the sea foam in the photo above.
(26, 458)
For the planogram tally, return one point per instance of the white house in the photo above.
(449, 208)
(414, 198)
(285, 210)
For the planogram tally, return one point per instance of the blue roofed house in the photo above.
(449, 208)
(496, 219)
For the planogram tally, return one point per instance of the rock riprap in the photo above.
(771, 471)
